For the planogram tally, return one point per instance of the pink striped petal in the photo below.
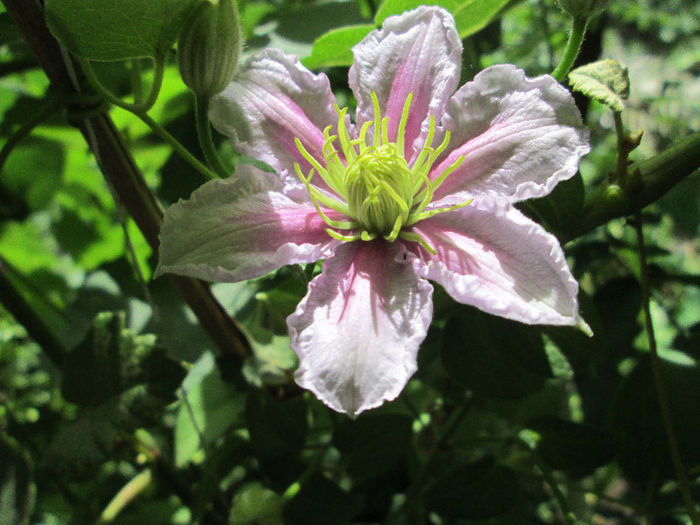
(519, 136)
(272, 101)
(233, 229)
(491, 256)
(417, 52)
(358, 329)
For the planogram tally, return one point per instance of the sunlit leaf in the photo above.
(118, 29)
(335, 47)
(470, 15)
(605, 81)
(210, 408)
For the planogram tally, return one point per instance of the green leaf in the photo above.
(212, 407)
(578, 448)
(118, 29)
(335, 47)
(17, 490)
(473, 15)
(91, 370)
(374, 443)
(558, 210)
(396, 7)
(111, 360)
(494, 357)
(637, 422)
(77, 449)
(34, 156)
(605, 81)
(120, 381)
(470, 15)
(320, 502)
(478, 490)
(277, 428)
(296, 27)
(256, 505)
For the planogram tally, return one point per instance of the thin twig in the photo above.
(681, 476)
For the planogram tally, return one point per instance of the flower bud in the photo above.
(582, 9)
(209, 47)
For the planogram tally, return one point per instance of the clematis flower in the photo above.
(419, 187)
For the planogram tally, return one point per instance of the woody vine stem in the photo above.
(622, 176)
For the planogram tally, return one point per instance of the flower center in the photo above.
(379, 189)
(375, 188)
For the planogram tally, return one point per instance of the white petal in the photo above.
(519, 136)
(358, 329)
(417, 52)
(236, 229)
(271, 101)
(491, 256)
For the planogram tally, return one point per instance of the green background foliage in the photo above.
(109, 385)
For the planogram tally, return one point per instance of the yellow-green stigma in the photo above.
(376, 189)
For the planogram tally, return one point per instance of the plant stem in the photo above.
(158, 71)
(49, 107)
(622, 155)
(137, 107)
(656, 176)
(681, 476)
(201, 109)
(126, 495)
(179, 148)
(137, 81)
(140, 110)
(411, 494)
(25, 315)
(548, 476)
(573, 46)
(120, 169)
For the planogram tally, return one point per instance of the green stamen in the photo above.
(375, 188)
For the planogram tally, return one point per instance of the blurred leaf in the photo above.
(470, 15)
(396, 7)
(605, 81)
(212, 406)
(494, 357)
(17, 490)
(473, 15)
(111, 360)
(689, 341)
(118, 29)
(91, 372)
(334, 48)
(374, 443)
(277, 428)
(320, 502)
(78, 448)
(33, 171)
(294, 28)
(256, 505)
(636, 419)
(577, 448)
(478, 490)
(121, 381)
(8, 29)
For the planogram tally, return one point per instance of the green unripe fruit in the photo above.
(582, 9)
(209, 47)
